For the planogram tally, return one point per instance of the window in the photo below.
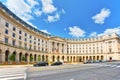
(30, 41)
(20, 32)
(20, 37)
(30, 36)
(25, 46)
(7, 24)
(34, 38)
(6, 31)
(6, 40)
(13, 35)
(25, 34)
(25, 39)
(14, 29)
(13, 42)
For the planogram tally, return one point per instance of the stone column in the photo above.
(17, 57)
(3, 57)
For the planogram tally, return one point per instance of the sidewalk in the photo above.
(8, 66)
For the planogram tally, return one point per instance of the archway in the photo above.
(43, 58)
(80, 59)
(14, 53)
(90, 57)
(0, 56)
(46, 57)
(97, 57)
(35, 57)
(39, 57)
(26, 57)
(86, 57)
(102, 57)
(20, 56)
(58, 58)
(53, 58)
(83, 58)
(7, 55)
(71, 58)
(74, 59)
(94, 58)
(63, 58)
(31, 58)
(67, 58)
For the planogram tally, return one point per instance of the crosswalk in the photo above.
(13, 73)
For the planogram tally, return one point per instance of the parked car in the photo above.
(41, 64)
(56, 63)
(87, 61)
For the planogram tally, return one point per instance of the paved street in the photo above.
(102, 71)
(12, 73)
(97, 71)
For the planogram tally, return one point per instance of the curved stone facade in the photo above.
(22, 40)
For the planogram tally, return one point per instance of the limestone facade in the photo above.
(21, 39)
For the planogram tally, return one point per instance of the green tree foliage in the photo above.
(39, 58)
(12, 57)
(31, 58)
(23, 58)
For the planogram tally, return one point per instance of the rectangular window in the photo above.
(30, 36)
(20, 32)
(13, 35)
(7, 24)
(6, 40)
(30, 41)
(25, 39)
(6, 31)
(25, 34)
(13, 42)
(25, 46)
(14, 29)
(20, 37)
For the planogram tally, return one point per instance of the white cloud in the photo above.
(48, 6)
(23, 9)
(93, 34)
(18, 9)
(45, 31)
(38, 12)
(100, 17)
(32, 3)
(75, 31)
(106, 32)
(110, 31)
(54, 18)
(28, 9)
(51, 11)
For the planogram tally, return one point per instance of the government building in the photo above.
(20, 42)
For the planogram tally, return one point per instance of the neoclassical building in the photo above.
(22, 40)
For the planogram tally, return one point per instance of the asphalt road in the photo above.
(102, 71)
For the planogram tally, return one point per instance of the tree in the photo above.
(31, 58)
(23, 58)
(39, 58)
(12, 57)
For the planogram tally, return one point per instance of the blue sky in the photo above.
(69, 18)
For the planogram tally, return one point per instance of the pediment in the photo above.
(57, 39)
